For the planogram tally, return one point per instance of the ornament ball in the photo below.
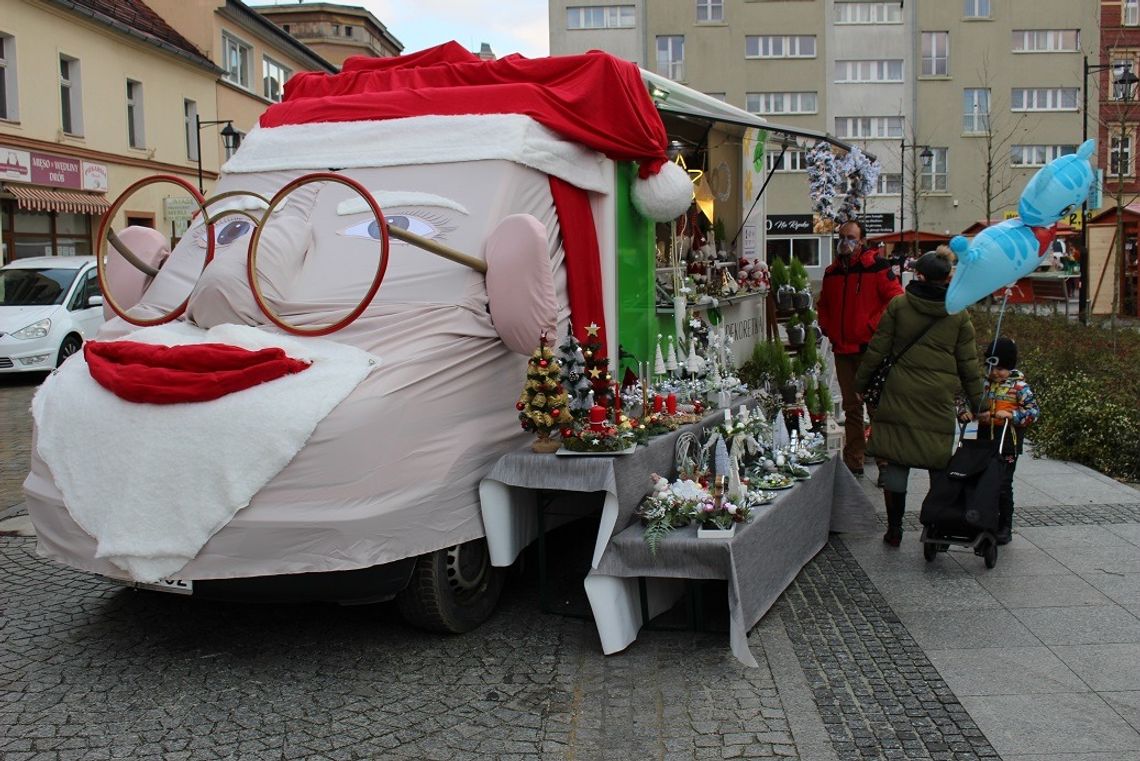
(520, 406)
(542, 363)
(555, 412)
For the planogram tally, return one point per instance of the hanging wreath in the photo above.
(859, 176)
(823, 179)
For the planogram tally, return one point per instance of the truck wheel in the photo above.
(452, 590)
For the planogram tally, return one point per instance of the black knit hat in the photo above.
(932, 267)
(1004, 350)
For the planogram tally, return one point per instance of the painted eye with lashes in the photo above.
(226, 232)
(423, 226)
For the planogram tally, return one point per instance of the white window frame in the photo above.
(868, 71)
(1046, 41)
(244, 52)
(782, 102)
(672, 65)
(937, 63)
(935, 178)
(710, 11)
(976, 9)
(976, 110)
(780, 46)
(136, 121)
(867, 13)
(190, 124)
(869, 127)
(580, 17)
(1037, 155)
(1121, 151)
(9, 93)
(1130, 13)
(283, 71)
(793, 161)
(888, 184)
(1023, 99)
(814, 259)
(71, 91)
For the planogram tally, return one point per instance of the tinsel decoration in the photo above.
(861, 176)
(823, 178)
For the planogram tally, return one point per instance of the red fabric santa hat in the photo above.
(593, 100)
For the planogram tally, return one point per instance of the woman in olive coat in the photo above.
(914, 425)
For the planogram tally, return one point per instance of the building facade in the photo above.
(960, 101)
(94, 96)
(334, 31)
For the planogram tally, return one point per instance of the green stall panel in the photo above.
(636, 261)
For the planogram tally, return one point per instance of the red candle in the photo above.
(597, 417)
(671, 404)
(658, 403)
(617, 397)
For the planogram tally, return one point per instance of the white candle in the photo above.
(727, 416)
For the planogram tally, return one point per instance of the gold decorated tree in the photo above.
(543, 404)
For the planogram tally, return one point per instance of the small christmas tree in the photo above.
(574, 377)
(543, 402)
(597, 366)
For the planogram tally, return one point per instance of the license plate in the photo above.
(174, 586)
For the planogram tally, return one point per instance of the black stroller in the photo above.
(962, 506)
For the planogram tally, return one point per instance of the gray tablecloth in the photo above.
(764, 556)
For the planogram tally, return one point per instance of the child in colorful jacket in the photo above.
(1006, 396)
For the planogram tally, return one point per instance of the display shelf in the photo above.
(668, 309)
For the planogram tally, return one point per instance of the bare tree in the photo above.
(999, 128)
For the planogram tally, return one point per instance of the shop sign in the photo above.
(789, 224)
(878, 224)
(51, 170)
(179, 210)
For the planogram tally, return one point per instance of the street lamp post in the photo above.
(230, 136)
(1126, 82)
(926, 156)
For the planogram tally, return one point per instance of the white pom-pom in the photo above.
(663, 196)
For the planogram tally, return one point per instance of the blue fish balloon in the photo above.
(1003, 253)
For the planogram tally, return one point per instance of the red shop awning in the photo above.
(49, 199)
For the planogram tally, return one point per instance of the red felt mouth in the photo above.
(155, 374)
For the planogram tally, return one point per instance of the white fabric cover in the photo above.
(151, 483)
(516, 255)
(125, 281)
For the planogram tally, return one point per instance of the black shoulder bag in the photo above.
(878, 380)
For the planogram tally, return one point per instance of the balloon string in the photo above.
(991, 360)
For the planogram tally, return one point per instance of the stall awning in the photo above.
(50, 199)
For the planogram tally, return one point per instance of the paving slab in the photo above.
(1103, 667)
(1004, 671)
(1018, 558)
(1115, 558)
(1129, 532)
(1042, 591)
(1050, 537)
(951, 591)
(1122, 588)
(1127, 704)
(986, 627)
(1062, 723)
(1081, 625)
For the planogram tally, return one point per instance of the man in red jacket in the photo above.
(856, 289)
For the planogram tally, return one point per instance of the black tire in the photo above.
(929, 551)
(453, 590)
(990, 555)
(70, 345)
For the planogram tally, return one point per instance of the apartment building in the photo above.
(959, 100)
(94, 95)
(334, 31)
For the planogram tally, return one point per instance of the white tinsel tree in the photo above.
(671, 356)
(823, 179)
(658, 359)
(574, 378)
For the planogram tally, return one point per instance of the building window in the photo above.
(869, 71)
(285, 27)
(710, 10)
(1130, 13)
(70, 102)
(600, 17)
(935, 54)
(136, 137)
(888, 185)
(779, 46)
(933, 178)
(868, 13)
(236, 60)
(868, 127)
(793, 161)
(28, 233)
(976, 9)
(804, 249)
(671, 56)
(781, 102)
(1120, 155)
(1044, 99)
(1038, 155)
(976, 111)
(1046, 40)
(9, 103)
(190, 124)
(347, 30)
(273, 78)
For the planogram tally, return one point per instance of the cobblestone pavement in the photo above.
(16, 393)
(91, 670)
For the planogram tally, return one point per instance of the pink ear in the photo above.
(520, 285)
(125, 282)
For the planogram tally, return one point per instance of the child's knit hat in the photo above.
(1004, 350)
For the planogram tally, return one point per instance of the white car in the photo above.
(49, 305)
